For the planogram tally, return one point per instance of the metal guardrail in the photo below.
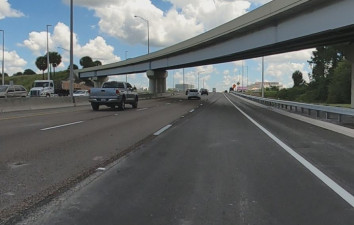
(327, 110)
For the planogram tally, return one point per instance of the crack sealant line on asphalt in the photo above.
(319, 174)
(162, 130)
(63, 125)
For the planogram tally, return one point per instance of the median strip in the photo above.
(162, 130)
(63, 125)
(319, 174)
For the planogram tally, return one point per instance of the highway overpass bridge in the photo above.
(277, 27)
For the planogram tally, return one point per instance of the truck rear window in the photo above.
(113, 85)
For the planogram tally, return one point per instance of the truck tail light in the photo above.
(117, 92)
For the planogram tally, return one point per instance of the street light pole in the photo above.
(126, 75)
(262, 76)
(183, 80)
(71, 51)
(242, 79)
(247, 77)
(198, 78)
(3, 56)
(48, 55)
(148, 30)
(173, 80)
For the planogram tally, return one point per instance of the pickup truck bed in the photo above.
(113, 94)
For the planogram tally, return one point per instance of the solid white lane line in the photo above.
(162, 130)
(142, 109)
(63, 125)
(323, 177)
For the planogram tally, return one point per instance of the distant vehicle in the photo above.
(192, 93)
(225, 91)
(204, 91)
(47, 88)
(112, 94)
(214, 89)
(9, 91)
(81, 93)
(50, 88)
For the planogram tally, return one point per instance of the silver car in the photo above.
(81, 93)
(193, 93)
(9, 91)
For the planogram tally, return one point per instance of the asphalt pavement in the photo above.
(45, 152)
(218, 165)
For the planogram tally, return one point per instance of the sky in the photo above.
(108, 31)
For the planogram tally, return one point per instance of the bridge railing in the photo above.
(327, 111)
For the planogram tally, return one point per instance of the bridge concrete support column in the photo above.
(157, 81)
(349, 55)
(98, 81)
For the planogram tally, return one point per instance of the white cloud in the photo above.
(280, 67)
(259, 2)
(139, 80)
(13, 63)
(59, 41)
(211, 13)
(7, 11)
(185, 19)
(302, 55)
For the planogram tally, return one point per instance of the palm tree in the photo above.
(97, 63)
(41, 63)
(54, 59)
(86, 61)
(75, 67)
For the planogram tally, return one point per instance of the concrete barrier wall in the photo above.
(20, 104)
(33, 103)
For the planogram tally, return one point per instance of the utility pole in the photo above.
(262, 76)
(71, 51)
(126, 75)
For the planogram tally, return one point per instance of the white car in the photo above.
(7, 91)
(81, 93)
(193, 93)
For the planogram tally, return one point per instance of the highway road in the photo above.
(45, 151)
(222, 161)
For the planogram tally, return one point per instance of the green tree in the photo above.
(41, 63)
(97, 63)
(54, 59)
(18, 74)
(297, 78)
(86, 62)
(29, 72)
(339, 90)
(75, 67)
(324, 61)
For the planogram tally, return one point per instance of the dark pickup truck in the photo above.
(112, 94)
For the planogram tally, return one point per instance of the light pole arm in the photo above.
(148, 29)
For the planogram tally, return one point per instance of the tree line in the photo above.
(54, 60)
(330, 79)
